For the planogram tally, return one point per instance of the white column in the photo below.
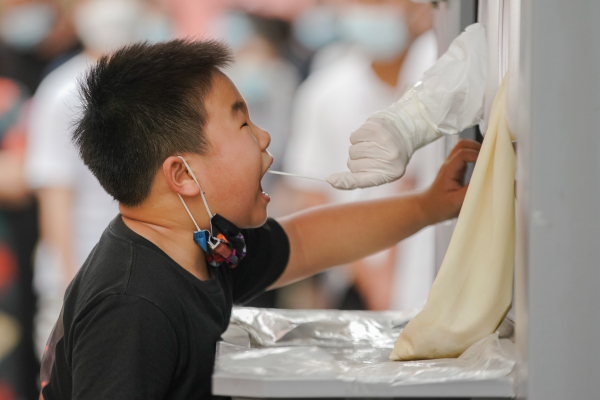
(558, 213)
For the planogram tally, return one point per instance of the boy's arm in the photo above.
(324, 237)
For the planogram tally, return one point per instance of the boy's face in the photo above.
(231, 171)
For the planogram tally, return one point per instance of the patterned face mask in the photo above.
(223, 243)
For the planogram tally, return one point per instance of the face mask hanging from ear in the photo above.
(223, 243)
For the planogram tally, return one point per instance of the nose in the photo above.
(263, 138)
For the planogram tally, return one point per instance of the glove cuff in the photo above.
(408, 120)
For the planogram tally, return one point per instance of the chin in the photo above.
(258, 219)
(258, 222)
(252, 217)
(253, 221)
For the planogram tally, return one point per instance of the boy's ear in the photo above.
(178, 178)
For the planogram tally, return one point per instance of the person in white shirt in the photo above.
(393, 47)
(74, 209)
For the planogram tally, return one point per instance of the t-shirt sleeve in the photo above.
(267, 255)
(124, 348)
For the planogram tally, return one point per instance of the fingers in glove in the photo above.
(349, 181)
(372, 165)
(366, 150)
(368, 132)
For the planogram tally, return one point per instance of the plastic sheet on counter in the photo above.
(275, 327)
(350, 347)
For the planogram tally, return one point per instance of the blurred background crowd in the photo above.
(311, 72)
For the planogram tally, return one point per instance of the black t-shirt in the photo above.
(138, 326)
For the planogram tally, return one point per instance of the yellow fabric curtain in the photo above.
(473, 289)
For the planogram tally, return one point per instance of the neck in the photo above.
(388, 71)
(173, 237)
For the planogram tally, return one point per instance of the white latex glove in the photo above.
(448, 100)
(380, 152)
(377, 153)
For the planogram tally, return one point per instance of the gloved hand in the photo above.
(381, 149)
(377, 155)
(448, 100)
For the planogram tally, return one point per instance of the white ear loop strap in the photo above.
(214, 242)
(188, 211)
(201, 192)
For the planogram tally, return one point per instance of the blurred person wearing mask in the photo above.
(74, 209)
(392, 46)
(316, 30)
(33, 33)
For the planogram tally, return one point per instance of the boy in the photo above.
(169, 137)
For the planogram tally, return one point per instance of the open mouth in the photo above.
(260, 183)
(265, 195)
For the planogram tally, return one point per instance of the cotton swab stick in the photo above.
(296, 175)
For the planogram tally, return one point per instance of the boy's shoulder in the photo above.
(125, 264)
